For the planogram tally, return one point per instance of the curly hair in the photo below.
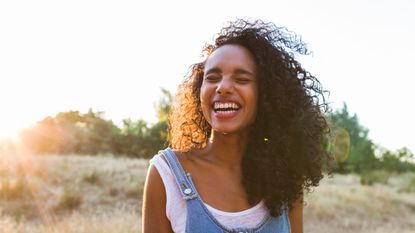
(286, 147)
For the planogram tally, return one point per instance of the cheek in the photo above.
(202, 96)
(204, 101)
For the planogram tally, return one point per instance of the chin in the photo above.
(223, 130)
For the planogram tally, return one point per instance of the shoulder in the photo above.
(159, 159)
(154, 183)
(154, 196)
(295, 215)
(185, 158)
(159, 170)
(162, 202)
(156, 180)
(154, 203)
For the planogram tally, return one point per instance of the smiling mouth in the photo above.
(225, 107)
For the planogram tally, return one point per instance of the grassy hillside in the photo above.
(71, 194)
(103, 194)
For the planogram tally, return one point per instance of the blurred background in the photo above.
(85, 89)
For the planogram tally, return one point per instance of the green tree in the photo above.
(157, 134)
(400, 161)
(43, 138)
(163, 105)
(99, 134)
(72, 132)
(361, 154)
(90, 133)
(137, 139)
(132, 139)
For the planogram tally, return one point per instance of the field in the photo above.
(85, 194)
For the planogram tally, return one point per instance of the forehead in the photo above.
(231, 57)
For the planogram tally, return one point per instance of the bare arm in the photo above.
(295, 215)
(154, 219)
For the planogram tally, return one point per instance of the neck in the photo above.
(227, 150)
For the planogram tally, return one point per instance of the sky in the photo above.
(114, 56)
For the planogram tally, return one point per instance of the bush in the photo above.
(13, 189)
(372, 177)
(410, 185)
(70, 199)
(113, 191)
(134, 190)
(92, 177)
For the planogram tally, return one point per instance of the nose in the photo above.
(225, 86)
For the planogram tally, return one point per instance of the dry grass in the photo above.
(342, 205)
(70, 194)
(55, 194)
(77, 222)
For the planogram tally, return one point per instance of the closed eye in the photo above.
(212, 78)
(243, 80)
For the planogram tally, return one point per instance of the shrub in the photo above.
(372, 177)
(132, 192)
(13, 189)
(410, 184)
(22, 210)
(70, 199)
(113, 191)
(92, 177)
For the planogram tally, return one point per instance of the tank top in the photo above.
(200, 220)
(176, 206)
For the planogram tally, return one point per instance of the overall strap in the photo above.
(183, 181)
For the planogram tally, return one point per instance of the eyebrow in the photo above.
(236, 71)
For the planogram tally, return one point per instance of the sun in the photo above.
(12, 124)
(8, 132)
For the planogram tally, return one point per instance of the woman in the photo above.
(247, 135)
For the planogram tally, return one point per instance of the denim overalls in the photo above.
(200, 220)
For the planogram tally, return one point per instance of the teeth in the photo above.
(218, 105)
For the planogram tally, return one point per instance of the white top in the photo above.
(176, 205)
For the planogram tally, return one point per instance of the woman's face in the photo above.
(229, 89)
